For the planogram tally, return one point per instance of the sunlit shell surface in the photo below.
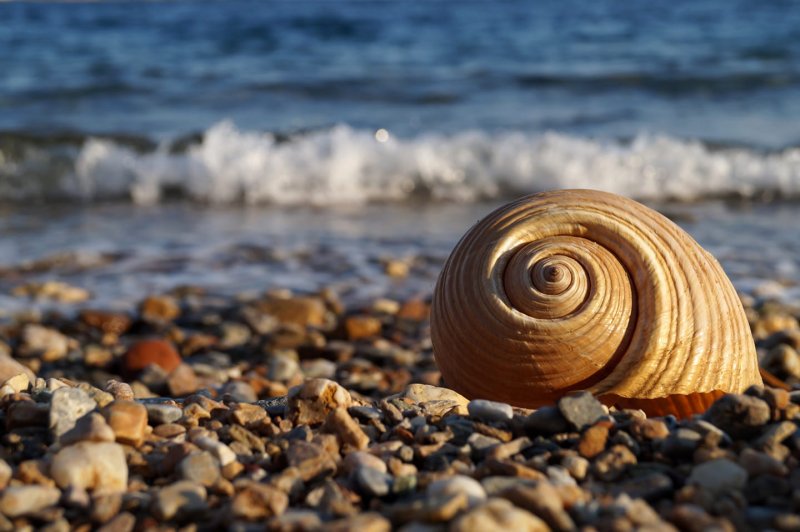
(581, 289)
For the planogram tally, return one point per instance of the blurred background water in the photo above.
(246, 144)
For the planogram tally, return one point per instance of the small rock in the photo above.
(146, 352)
(577, 466)
(128, 420)
(311, 402)
(739, 415)
(498, 514)
(66, 407)
(546, 420)
(124, 522)
(718, 476)
(182, 381)
(650, 487)
(459, 484)
(302, 311)
(581, 409)
(357, 327)
(348, 431)
(159, 414)
(107, 322)
(371, 482)
(610, 464)
(282, 367)
(259, 501)
(364, 522)
(359, 459)
(180, 499)
(491, 411)
(200, 468)
(10, 368)
(593, 440)
(6, 472)
(240, 392)
(91, 465)
(18, 383)
(648, 429)
(311, 460)
(105, 506)
(543, 500)
(159, 309)
(17, 501)
(47, 344)
(91, 427)
(758, 463)
(120, 390)
(218, 450)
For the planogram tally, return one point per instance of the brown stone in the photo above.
(593, 440)
(159, 309)
(648, 429)
(349, 432)
(128, 420)
(258, 501)
(146, 352)
(357, 327)
(302, 311)
(182, 381)
(312, 401)
(107, 322)
(610, 464)
(311, 460)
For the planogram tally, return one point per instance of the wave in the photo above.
(343, 165)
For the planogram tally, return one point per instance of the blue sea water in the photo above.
(251, 112)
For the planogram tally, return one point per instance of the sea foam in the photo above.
(343, 165)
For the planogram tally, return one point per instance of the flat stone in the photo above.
(581, 409)
(739, 415)
(180, 499)
(355, 460)
(311, 402)
(66, 406)
(91, 427)
(258, 501)
(470, 487)
(200, 468)
(18, 383)
(182, 381)
(17, 501)
(91, 465)
(425, 393)
(240, 392)
(498, 514)
(719, 476)
(128, 420)
(491, 411)
(593, 440)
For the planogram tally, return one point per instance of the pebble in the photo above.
(282, 367)
(498, 514)
(240, 391)
(610, 464)
(121, 391)
(10, 368)
(257, 501)
(17, 501)
(346, 429)
(91, 427)
(42, 342)
(145, 352)
(18, 383)
(128, 420)
(159, 309)
(491, 411)
(542, 500)
(159, 414)
(360, 459)
(182, 381)
(66, 407)
(546, 420)
(182, 498)
(91, 466)
(719, 476)
(358, 327)
(581, 409)
(311, 402)
(739, 415)
(301, 311)
(200, 468)
(593, 440)
(218, 450)
(371, 482)
(468, 486)
(311, 460)
(5, 473)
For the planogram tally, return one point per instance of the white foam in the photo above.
(344, 165)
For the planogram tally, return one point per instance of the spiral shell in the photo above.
(585, 290)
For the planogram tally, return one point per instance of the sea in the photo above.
(245, 146)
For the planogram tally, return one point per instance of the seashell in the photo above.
(586, 290)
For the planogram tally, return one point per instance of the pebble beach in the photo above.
(294, 412)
